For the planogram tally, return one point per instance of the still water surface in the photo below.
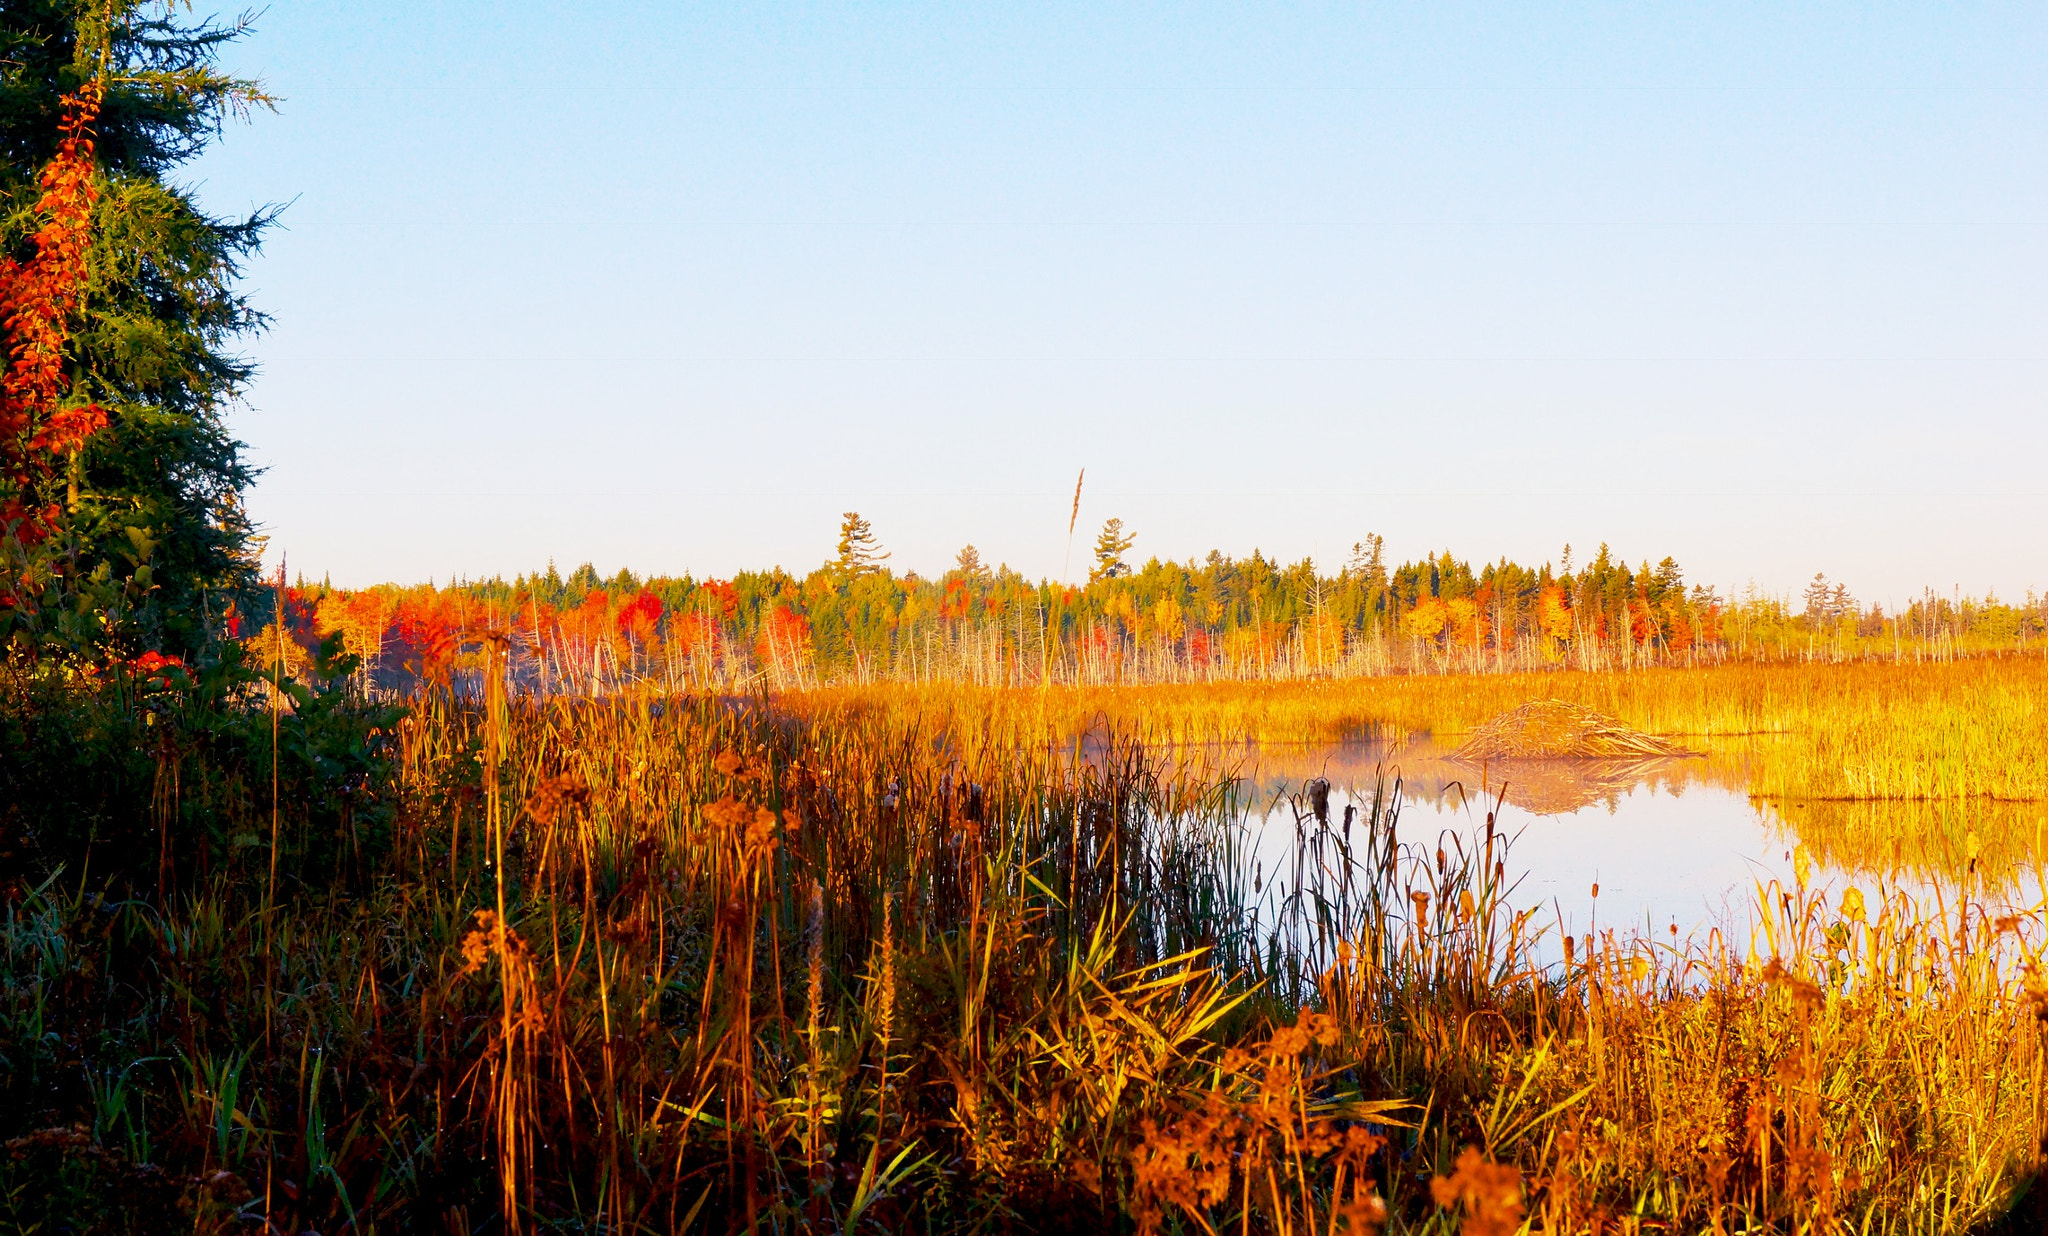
(1669, 842)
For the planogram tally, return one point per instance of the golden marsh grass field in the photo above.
(950, 959)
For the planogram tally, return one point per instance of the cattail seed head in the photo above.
(814, 986)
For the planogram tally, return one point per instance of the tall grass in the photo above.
(1862, 730)
(895, 961)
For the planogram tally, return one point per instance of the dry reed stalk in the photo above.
(817, 1177)
(509, 1067)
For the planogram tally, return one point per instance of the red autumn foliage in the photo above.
(785, 638)
(37, 299)
(156, 669)
(639, 616)
(956, 602)
(723, 594)
(301, 609)
(1642, 622)
(429, 625)
(1099, 644)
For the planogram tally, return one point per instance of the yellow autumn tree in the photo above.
(1169, 621)
(1427, 620)
(1554, 620)
(361, 618)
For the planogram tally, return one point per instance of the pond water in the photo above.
(1669, 842)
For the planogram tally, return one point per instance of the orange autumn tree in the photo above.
(1554, 620)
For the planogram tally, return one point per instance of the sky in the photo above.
(1760, 287)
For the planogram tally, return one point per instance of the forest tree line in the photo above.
(1220, 617)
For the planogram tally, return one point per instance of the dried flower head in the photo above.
(1489, 1193)
(1806, 996)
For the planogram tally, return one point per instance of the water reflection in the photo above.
(1669, 842)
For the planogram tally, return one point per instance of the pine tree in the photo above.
(1816, 598)
(1368, 563)
(1670, 580)
(859, 552)
(135, 534)
(968, 563)
(1110, 548)
(1368, 569)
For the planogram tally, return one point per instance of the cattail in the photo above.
(814, 999)
(888, 1010)
(885, 1015)
(814, 987)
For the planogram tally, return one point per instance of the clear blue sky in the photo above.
(1762, 287)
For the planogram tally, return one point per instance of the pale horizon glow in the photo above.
(672, 289)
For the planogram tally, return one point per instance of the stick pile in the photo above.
(1556, 729)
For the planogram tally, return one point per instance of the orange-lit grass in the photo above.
(895, 961)
(1857, 730)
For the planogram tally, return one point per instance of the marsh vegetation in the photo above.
(962, 959)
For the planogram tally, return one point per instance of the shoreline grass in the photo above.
(1862, 730)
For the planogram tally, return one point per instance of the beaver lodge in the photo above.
(1558, 730)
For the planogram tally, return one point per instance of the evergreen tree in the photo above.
(549, 588)
(859, 552)
(1669, 579)
(1368, 563)
(1110, 548)
(134, 532)
(968, 563)
(1368, 571)
(1816, 597)
(582, 582)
